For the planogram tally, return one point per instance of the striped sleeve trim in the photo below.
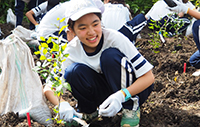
(136, 58)
(140, 65)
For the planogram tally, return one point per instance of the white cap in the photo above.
(79, 8)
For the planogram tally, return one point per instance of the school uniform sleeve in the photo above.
(190, 5)
(119, 41)
(40, 9)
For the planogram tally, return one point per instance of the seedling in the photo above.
(50, 67)
(160, 31)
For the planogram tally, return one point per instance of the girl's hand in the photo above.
(112, 105)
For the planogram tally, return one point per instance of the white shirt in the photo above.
(112, 38)
(40, 9)
(159, 10)
(49, 23)
(115, 15)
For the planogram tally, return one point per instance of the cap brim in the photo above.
(83, 12)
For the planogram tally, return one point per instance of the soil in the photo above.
(175, 100)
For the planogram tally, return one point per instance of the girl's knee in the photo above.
(109, 54)
(73, 70)
(195, 26)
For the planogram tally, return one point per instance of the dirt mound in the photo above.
(175, 101)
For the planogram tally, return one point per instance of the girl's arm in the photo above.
(49, 94)
(29, 15)
(141, 83)
(185, 9)
(194, 13)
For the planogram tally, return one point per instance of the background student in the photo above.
(160, 15)
(19, 9)
(39, 11)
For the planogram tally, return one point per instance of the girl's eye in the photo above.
(96, 24)
(82, 28)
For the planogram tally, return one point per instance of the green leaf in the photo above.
(54, 64)
(151, 27)
(63, 60)
(66, 55)
(63, 19)
(42, 39)
(45, 51)
(44, 45)
(49, 40)
(62, 28)
(58, 94)
(63, 47)
(37, 52)
(56, 111)
(55, 47)
(67, 86)
(39, 47)
(42, 57)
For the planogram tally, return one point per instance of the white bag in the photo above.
(20, 87)
(11, 18)
(189, 28)
(25, 35)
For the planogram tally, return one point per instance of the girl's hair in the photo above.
(118, 2)
(71, 23)
(185, 1)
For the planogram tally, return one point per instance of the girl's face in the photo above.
(88, 30)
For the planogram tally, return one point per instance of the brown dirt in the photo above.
(175, 101)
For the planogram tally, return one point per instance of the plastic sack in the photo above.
(11, 18)
(21, 88)
(26, 36)
(189, 28)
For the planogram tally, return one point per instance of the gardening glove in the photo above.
(112, 105)
(67, 112)
(180, 7)
(36, 27)
(33, 35)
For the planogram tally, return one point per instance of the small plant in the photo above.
(50, 67)
(161, 31)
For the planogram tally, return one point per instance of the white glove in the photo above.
(67, 112)
(181, 7)
(36, 27)
(34, 35)
(112, 105)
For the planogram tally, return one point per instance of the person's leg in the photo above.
(195, 60)
(132, 28)
(19, 8)
(88, 87)
(119, 74)
(195, 32)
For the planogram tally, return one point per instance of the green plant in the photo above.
(161, 31)
(50, 67)
(196, 2)
(139, 6)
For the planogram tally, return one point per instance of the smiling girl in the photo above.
(104, 68)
